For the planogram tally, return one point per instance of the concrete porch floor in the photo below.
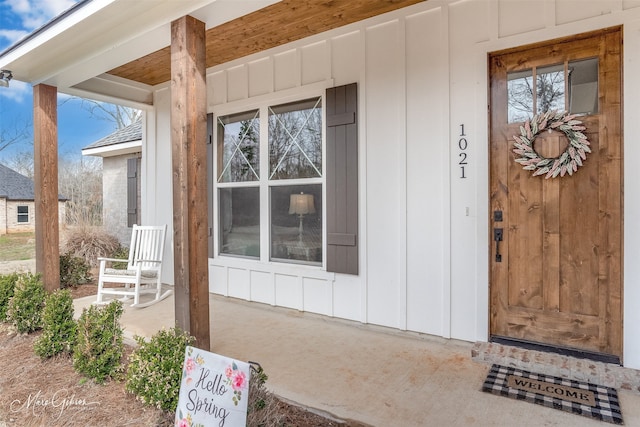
(370, 374)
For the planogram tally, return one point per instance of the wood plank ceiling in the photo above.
(274, 25)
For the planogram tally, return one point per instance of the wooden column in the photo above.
(45, 164)
(189, 156)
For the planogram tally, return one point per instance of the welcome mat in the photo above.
(581, 398)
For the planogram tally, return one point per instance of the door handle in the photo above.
(497, 237)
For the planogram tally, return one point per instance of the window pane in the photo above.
(23, 213)
(295, 140)
(583, 86)
(239, 147)
(549, 92)
(519, 96)
(239, 221)
(550, 88)
(296, 223)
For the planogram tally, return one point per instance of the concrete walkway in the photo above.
(373, 375)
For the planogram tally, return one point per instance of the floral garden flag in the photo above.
(213, 392)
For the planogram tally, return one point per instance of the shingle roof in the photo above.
(131, 133)
(15, 186)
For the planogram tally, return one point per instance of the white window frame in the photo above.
(22, 214)
(262, 104)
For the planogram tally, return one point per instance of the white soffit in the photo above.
(101, 35)
(113, 89)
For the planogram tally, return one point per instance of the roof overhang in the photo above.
(75, 50)
(114, 150)
(119, 50)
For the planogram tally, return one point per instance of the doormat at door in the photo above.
(589, 400)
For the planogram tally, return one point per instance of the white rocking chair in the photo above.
(143, 272)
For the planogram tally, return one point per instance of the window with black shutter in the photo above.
(283, 178)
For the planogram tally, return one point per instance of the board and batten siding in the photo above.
(423, 229)
(367, 54)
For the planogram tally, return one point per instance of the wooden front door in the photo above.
(556, 275)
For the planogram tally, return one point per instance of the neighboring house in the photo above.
(121, 163)
(17, 207)
(361, 161)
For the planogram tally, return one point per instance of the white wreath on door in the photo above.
(569, 161)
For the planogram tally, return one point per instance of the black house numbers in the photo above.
(462, 155)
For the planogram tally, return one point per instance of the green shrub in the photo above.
(99, 349)
(59, 327)
(121, 253)
(74, 271)
(155, 368)
(7, 287)
(25, 307)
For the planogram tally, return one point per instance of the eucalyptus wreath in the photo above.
(569, 161)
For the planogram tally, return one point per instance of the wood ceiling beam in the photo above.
(272, 26)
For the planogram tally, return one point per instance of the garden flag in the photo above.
(213, 391)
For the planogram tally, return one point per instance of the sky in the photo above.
(76, 127)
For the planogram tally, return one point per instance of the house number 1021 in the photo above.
(462, 146)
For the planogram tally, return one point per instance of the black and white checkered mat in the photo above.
(581, 398)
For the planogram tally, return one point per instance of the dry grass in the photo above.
(17, 246)
(88, 242)
(269, 413)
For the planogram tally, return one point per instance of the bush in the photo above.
(25, 307)
(155, 368)
(99, 349)
(59, 328)
(89, 243)
(74, 271)
(120, 253)
(7, 287)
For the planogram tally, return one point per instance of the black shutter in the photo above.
(132, 191)
(342, 179)
(210, 180)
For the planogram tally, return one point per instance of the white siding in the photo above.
(286, 72)
(386, 229)
(157, 177)
(427, 180)
(261, 77)
(421, 74)
(467, 91)
(631, 266)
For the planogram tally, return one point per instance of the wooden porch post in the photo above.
(45, 165)
(189, 157)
